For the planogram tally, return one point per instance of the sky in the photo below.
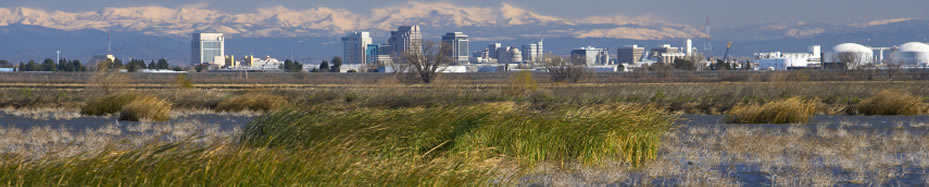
(723, 13)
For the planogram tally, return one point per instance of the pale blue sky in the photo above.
(724, 13)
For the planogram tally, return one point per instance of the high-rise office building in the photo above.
(355, 45)
(630, 54)
(406, 38)
(458, 45)
(591, 55)
(493, 49)
(371, 53)
(208, 48)
(533, 52)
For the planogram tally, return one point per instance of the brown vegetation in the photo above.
(253, 102)
(110, 104)
(892, 103)
(146, 108)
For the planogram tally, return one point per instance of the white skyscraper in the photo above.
(208, 48)
(355, 45)
(459, 44)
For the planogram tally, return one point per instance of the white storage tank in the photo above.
(913, 54)
(864, 55)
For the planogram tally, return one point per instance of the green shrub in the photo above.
(892, 103)
(110, 104)
(147, 108)
(791, 110)
(252, 101)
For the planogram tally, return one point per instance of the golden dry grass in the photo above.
(889, 102)
(110, 104)
(253, 102)
(147, 108)
(791, 110)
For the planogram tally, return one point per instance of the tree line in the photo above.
(64, 65)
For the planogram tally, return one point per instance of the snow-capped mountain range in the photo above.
(321, 21)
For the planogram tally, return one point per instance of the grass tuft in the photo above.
(791, 110)
(889, 102)
(147, 108)
(252, 101)
(110, 104)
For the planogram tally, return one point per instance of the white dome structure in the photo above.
(515, 55)
(913, 54)
(863, 55)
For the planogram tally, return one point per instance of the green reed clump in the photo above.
(146, 108)
(587, 134)
(185, 163)
(889, 102)
(252, 101)
(790, 110)
(110, 104)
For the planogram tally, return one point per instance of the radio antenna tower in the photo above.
(109, 42)
(708, 41)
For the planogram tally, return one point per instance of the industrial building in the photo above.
(666, 54)
(355, 46)
(911, 55)
(785, 61)
(208, 48)
(592, 55)
(459, 47)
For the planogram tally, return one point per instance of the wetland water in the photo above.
(702, 151)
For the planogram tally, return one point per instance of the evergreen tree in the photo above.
(48, 65)
(336, 64)
(31, 66)
(5, 64)
(151, 65)
(117, 64)
(163, 64)
(324, 66)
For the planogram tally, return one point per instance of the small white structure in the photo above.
(913, 54)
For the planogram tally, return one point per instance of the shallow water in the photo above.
(225, 122)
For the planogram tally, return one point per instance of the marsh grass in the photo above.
(791, 110)
(252, 101)
(146, 108)
(110, 104)
(587, 135)
(889, 102)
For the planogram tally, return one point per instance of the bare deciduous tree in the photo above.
(893, 67)
(562, 70)
(424, 65)
(850, 60)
